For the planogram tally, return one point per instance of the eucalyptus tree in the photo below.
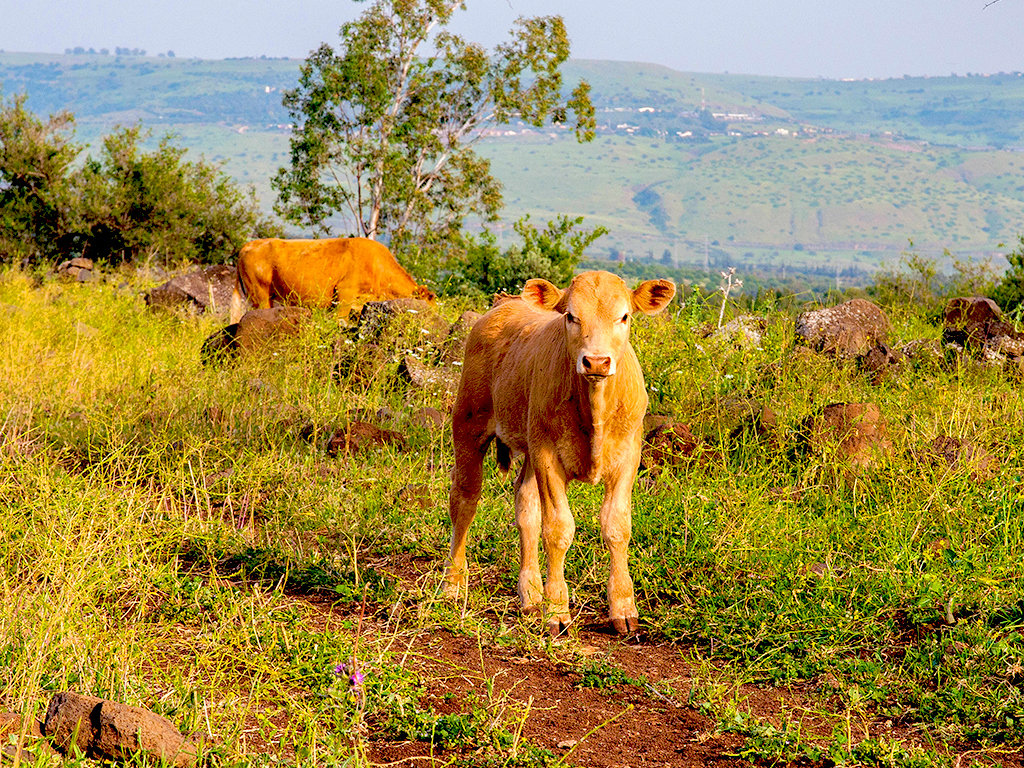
(385, 124)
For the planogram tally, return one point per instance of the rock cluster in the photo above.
(79, 270)
(975, 325)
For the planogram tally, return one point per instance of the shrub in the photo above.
(551, 253)
(123, 205)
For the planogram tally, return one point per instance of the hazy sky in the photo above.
(853, 38)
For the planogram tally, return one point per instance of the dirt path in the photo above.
(598, 700)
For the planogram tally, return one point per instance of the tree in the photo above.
(34, 193)
(123, 205)
(384, 132)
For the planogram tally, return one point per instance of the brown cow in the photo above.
(553, 376)
(346, 272)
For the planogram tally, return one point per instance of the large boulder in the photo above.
(258, 331)
(848, 330)
(201, 290)
(411, 322)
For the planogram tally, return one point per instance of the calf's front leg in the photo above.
(557, 530)
(528, 521)
(616, 530)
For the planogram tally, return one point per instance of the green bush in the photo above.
(122, 206)
(1009, 294)
(551, 253)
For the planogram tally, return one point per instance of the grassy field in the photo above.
(808, 201)
(177, 537)
(831, 203)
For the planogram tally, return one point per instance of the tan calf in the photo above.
(345, 272)
(552, 376)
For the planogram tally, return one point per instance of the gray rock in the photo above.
(78, 269)
(258, 330)
(847, 331)
(745, 330)
(201, 290)
(379, 318)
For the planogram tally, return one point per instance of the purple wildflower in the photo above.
(355, 676)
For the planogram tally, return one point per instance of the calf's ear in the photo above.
(541, 294)
(653, 296)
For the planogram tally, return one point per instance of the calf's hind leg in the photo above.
(467, 480)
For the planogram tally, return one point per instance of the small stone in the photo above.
(107, 730)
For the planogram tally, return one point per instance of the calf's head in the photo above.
(596, 310)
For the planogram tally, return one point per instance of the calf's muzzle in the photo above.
(596, 366)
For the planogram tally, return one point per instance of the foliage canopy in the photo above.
(384, 132)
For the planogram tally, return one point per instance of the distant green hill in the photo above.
(831, 176)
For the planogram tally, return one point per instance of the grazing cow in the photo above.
(552, 375)
(346, 272)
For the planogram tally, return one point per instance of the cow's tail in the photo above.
(238, 299)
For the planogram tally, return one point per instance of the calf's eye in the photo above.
(625, 318)
(569, 317)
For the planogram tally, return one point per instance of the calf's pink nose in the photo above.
(597, 365)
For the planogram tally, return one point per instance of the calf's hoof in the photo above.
(455, 584)
(627, 625)
(558, 625)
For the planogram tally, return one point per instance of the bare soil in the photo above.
(648, 721)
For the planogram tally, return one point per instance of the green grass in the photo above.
(165, 525)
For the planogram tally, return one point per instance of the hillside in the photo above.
(701, 168)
